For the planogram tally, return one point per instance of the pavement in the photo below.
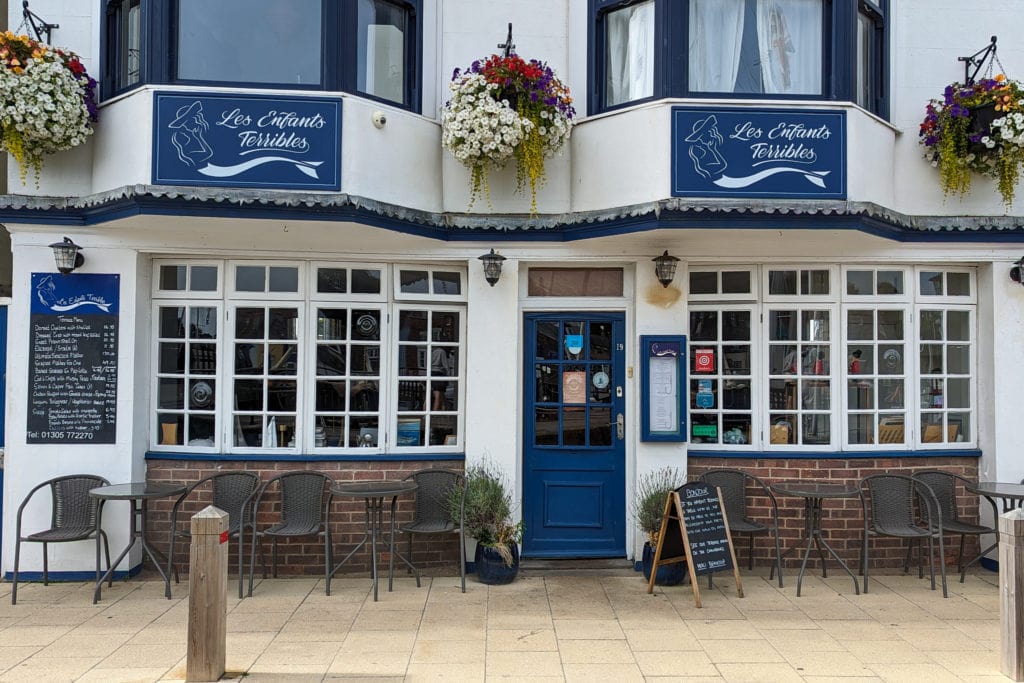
(542, 627)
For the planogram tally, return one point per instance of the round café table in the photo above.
(139, 493)
(1012, 496)
(814, 494)
(374, 493)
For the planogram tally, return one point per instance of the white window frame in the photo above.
(231, 292)
(428, 296)
(833, 296)
(751, 272)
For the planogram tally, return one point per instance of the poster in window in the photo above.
(663, 382)
(574, 387)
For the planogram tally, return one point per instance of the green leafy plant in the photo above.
(648, 505)
(488, 509)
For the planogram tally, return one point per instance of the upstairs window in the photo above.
(869, 91)
(124, 44)
(629, 53)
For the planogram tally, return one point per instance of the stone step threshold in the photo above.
(576, 567)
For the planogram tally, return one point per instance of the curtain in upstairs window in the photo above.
(629, 53)
(716, 36)
(789, 45)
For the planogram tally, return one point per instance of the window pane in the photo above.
(756, 47)
(931, 283)
(250, 278)
(284, 279)
(447, 283)
(172, 278)
(736, 282)
(331, 280)
(866, 56)
(380, 50)
(575, 282)
(814, 282)
(890, 282)
(958, 284)
(703, 283)
(414, 282)
(365, 281)
(860, 282)
(250, 41)
(172, 322)
(782, 282)
(703, 326)
(629, 53)
(958, 326)
(204, 279)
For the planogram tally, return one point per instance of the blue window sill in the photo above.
(835, 455)
(299, 457)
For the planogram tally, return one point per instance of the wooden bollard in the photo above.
(1011, 594)
(208, 596)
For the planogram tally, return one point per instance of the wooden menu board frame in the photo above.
(674, 543)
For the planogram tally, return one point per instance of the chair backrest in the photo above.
(943, 485)
(231, 490)
(733, 484)
(433, 489)
(891, 501)
(73, 507)
(302, 498)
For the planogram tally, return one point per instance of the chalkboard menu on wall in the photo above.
(72, 376)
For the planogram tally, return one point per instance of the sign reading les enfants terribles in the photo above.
(247, 141)
(763, 153)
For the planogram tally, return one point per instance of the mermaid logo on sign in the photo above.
(758, 153)
(257, 141)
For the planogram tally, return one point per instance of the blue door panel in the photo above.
(573, 458)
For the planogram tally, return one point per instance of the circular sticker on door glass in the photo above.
(600, 380)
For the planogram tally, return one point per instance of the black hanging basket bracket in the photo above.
(985, 55)
(38, 25)
(508, 46)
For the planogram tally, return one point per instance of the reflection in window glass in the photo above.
(736, 282)
(283, 47)
(629, 53)
(703, 283)
(172, 277)
(380, 50)
(575, 282)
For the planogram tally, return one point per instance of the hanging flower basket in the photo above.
(47, 101)
(976, 128)
(503, 108)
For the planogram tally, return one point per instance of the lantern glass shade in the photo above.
(66, 255)
(492, 267)
(665, 268)
(1017, 272)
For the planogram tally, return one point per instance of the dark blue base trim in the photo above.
(833, 455)
(249, 457)
(58, 577)
(989, 564)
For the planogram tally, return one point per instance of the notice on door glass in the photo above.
(574, 387)
(664, 394)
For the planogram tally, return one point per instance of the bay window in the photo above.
(886, 361)
(248, 362)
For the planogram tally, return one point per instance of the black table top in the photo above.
(373, 489)
(998, 489)
(137, 490)
(815, 489)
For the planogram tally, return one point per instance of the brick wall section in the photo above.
(842, 518)
(433, 555)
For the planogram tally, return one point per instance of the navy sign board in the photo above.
(757, 152)
(287, 143)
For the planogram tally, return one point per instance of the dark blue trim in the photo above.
(696, 219)
(90, 576)
(252, 457)
(989, 564)
(834, 455)
(646, 352)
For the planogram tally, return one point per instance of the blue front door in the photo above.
(574, 490)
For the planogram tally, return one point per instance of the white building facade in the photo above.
(834, 317)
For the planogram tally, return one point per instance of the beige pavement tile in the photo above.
(523, 664)
(654, 664)
(422, 671)
(520, 620)
(902, 673)
(525, 679)
(585, 673)
(368, 620)
(971, 662)
(570, 610)
(737, 672)
(843, 679)
(12, 655)
(127, 675)
(941, 639)
(296, 656)
(130, 655)
(828, 664)
(49, 669)
(153, 635)
(521, 640)
(401, 642)
(95, 645)
(326, 611)
(282, 677)
(241, 622)
(453, 629)
(719, 651)
(705, 629)
(892, 651)
(369, 664)
(595, 652)
(63, 616)
(32, 635)
(362, 679)
(677, 639)
(858, 629)
(985, 631)
(315, 631)
(448, 652)
(588, 629)
(455, 611)
(771, 620)
(803, 640)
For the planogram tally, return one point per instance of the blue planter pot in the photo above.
(491, 568)
(668, 575)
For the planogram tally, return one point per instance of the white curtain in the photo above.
(789, 42)
(716, 36)
(629, 49)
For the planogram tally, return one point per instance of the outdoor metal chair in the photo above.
(73, 515)
(735, 486)
(232, 492)
(944, 486)
(302, 512)
(888, 510)
(431, 514)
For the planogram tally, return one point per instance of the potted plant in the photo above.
(47, 101)
(648, 508)
(501, 108)
(487, 517)
(976, 128)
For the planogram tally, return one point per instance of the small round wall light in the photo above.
(492, 267)
(665, 268)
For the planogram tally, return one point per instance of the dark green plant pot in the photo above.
(668, 575)
(491, 568)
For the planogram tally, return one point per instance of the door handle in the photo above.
(620, 426)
